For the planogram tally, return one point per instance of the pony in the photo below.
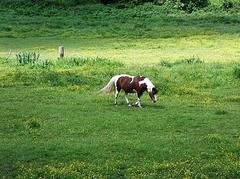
(131, 84)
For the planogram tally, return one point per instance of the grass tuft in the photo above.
(33, 123)
(237, 72)
(221, 112)
(193, 60)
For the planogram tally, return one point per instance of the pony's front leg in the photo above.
(138, 103)
(126, 98)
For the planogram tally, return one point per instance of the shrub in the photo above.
(27, 58)
(125, 1)
(190, 5)
(227, 5)
(231, 5)
(187, 5)
(45, 3)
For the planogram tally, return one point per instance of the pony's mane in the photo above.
(149, 84)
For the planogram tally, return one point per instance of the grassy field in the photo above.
(144, 34)
(55, 124)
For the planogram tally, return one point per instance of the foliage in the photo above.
(231, 5)
(190, 5)
(186, 5)
(227, 5)
(27, 58)
(46, 3)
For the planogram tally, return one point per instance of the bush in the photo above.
(190, 5)
(227, 5)
(27, 58)
(231, 5)
(45, 3)
(187, 5)
(136, 2)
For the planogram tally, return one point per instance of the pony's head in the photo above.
(153, 94)
(152, 91)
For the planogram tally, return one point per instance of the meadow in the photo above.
(131, 35)
(55, 124)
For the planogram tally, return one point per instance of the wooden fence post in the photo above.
(61, 51)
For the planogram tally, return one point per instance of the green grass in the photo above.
(55, 124)
(143, 34)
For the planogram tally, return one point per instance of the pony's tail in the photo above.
(110, 86)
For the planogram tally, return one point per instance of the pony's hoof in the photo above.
(129, 105)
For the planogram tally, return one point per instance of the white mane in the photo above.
(149, 84)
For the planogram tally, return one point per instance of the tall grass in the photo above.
(183, 77)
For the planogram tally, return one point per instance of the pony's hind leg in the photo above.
(116, 96)
(126, 98)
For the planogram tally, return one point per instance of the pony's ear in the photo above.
(155, 90)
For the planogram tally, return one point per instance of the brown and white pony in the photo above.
(131, 84)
